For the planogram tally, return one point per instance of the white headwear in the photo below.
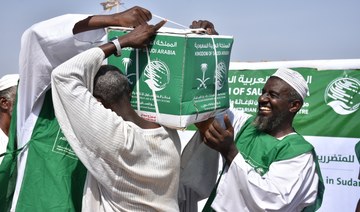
(8, 81)
(294, 79)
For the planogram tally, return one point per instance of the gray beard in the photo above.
(267, 124)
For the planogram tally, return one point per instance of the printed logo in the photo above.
(127, 62)
(158, 75)
(343, 95)
(221, 75)
(61, 146)
(202, 80)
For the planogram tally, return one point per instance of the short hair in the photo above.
(9, 93)
(294, 95)
(110, 85)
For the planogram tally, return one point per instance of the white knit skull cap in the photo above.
(294, 79)
(8, 81)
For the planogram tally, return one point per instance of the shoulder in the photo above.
(294, 145)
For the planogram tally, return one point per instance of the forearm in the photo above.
(93, 22)
(75, 106)
(132, 17)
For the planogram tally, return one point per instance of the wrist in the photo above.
(116, 42)
(231, 154)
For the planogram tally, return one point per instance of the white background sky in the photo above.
(264, 30)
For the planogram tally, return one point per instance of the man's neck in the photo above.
(129, 114)
(279, 133)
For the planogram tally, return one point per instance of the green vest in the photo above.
(8, 166)
(54, 177)
(260, 150)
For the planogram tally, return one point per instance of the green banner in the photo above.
(334, 97)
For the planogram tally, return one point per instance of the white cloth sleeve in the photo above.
(88, 126)
(44, 46)
(287, 184)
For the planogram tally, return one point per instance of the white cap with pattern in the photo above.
(294, 79)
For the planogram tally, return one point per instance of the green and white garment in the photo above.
(259, 151)
(54, 177)
(48, 176)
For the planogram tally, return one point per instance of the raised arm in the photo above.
(132, 17)
(74, 104)
(47, 44)
(138, 38)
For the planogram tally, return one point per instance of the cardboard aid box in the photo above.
(180, 79)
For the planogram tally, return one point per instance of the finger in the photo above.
(214, 130)
(159, 25)
(209, 140)
(203, 24)
(211, 31)
(140, 26)
(194, 25)
(228, 124)
(145, 16)
(209, 144)
(220, 128)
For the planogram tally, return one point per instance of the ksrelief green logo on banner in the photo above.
(343, 95)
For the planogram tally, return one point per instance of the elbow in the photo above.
(56, 75)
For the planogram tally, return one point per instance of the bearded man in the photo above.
(268, 165)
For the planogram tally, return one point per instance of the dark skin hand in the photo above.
(137, 38)
(132, 17)
(140, 37)
(207, 25)
(222, 140)
(204, 125)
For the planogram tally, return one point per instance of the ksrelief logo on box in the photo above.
(157, 75)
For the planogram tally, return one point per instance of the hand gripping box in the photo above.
(181, 78)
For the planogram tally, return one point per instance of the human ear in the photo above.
(295, 106)
(4, 103)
